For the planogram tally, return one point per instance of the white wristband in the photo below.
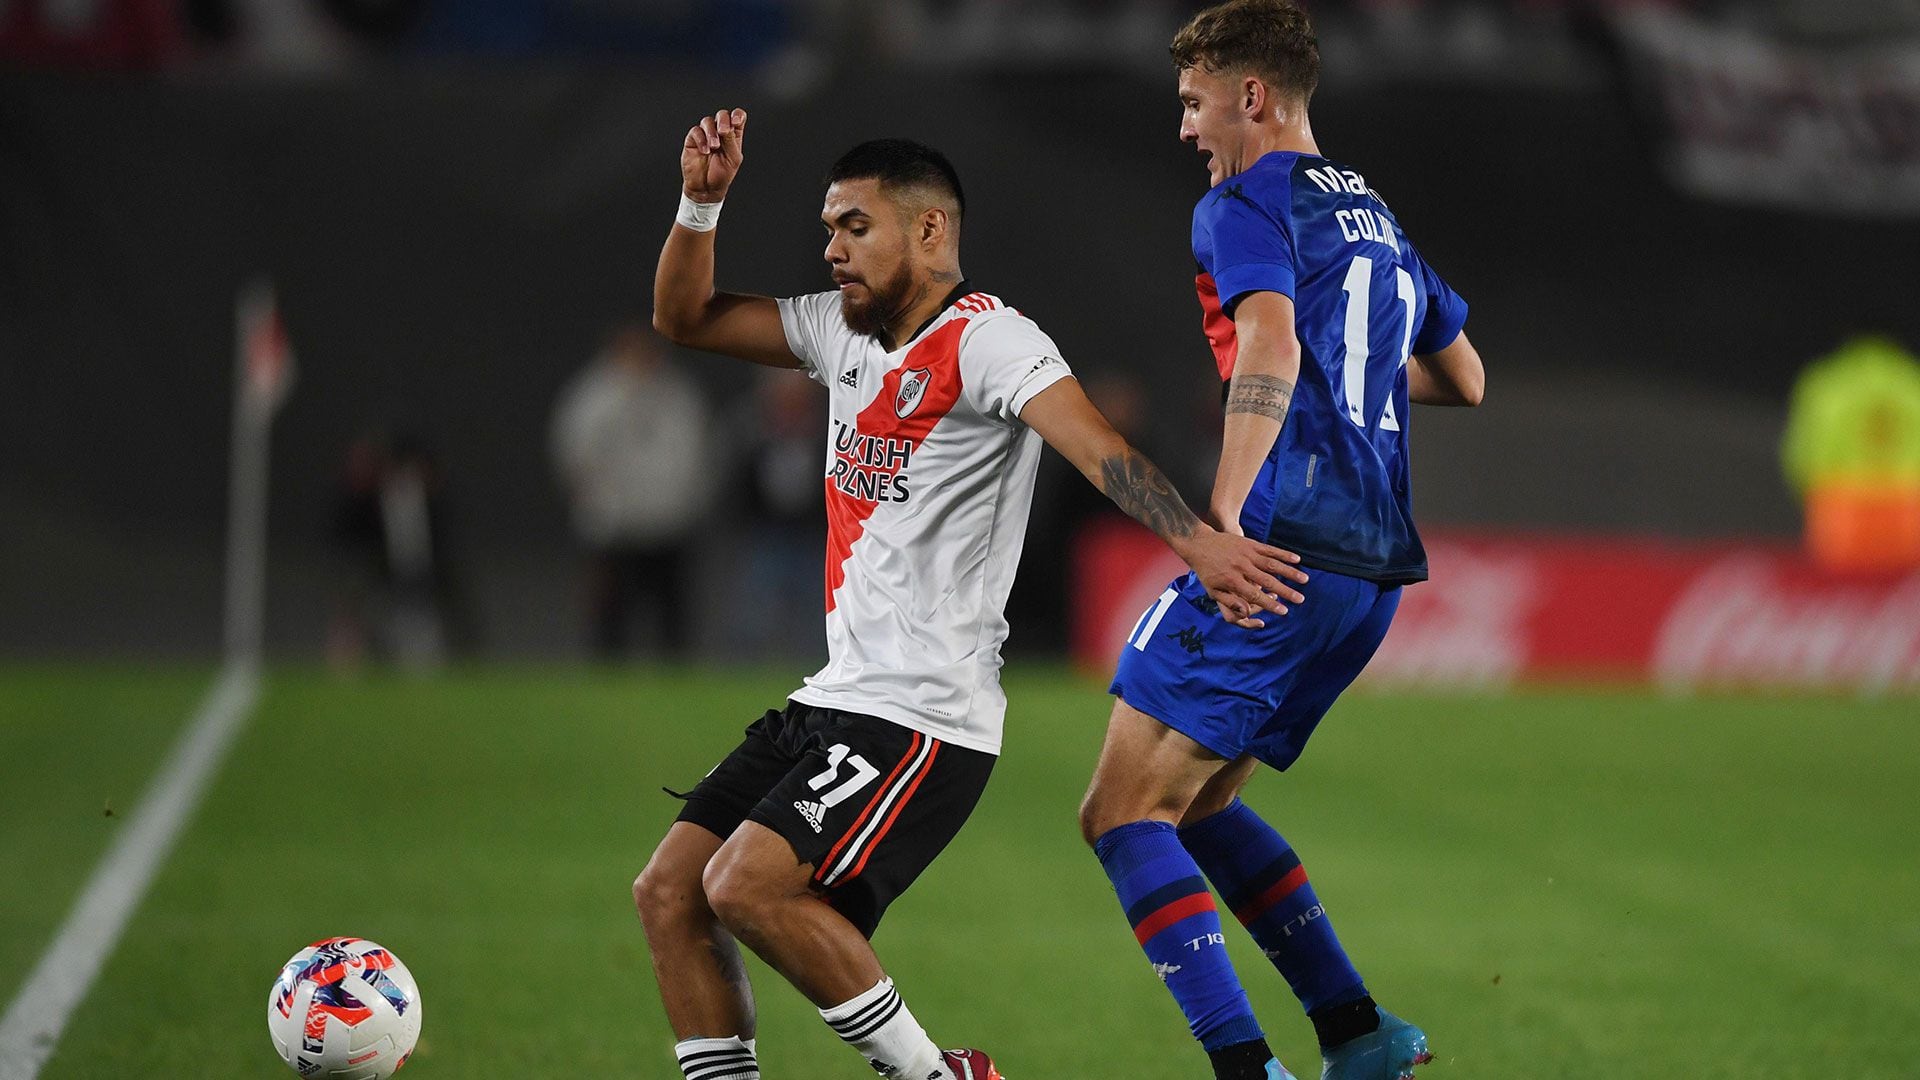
(699, 216)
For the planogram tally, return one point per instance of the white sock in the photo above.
(730, 1058)
(878, 1025)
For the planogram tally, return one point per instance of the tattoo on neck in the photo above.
(919, 297)
(1137, 486)
(1262, 395)
(947, 277)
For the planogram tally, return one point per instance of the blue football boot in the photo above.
(1388, 1053)
(1277, 1071)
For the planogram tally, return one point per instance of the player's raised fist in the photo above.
(710, 158)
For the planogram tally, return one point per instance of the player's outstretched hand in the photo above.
(1245, 577)
(710, 158)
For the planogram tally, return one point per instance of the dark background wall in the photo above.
(450, 243)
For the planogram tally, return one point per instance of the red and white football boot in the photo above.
(970, 1065)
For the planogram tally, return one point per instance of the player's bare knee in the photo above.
(1090, 818)
(642, 893)
(1107, 808)
(1220, 791)
(1212, 800)
(661, 896)
(1101, 813)
(650, 896)
(732, 892)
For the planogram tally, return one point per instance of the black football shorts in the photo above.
(868, 803)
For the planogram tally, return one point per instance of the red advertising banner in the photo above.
(1501, 610)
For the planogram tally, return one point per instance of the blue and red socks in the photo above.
(1175, 921)
(1263, 883)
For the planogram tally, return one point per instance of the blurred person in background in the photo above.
(1852, 451)
(630, 441)
(399, 599)
(782, 504)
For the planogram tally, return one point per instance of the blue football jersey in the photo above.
(1335, 487)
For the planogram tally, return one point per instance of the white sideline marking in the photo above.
(32, 1026)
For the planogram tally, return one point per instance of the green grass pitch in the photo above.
(1556, 884)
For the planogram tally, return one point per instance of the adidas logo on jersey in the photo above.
(812, 811)
(850, 377)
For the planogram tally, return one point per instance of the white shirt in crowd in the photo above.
(632, 449)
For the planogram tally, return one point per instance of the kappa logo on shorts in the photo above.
(1191, 640)
(913, 387)
(812, 811)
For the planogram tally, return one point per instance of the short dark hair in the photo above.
(900, 163)
(1271, 39)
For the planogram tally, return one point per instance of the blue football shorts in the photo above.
(1260, 692)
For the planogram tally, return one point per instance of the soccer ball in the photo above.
(344, 1009)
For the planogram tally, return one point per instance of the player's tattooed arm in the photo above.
(1265, 372)
(1243, 576)
(1261, 395)
(1137, 486)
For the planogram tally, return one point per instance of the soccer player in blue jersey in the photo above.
(1326, 325)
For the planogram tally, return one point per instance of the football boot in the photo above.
(1389, 1052)
(970, 1065)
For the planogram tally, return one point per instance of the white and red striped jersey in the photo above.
(929, 476)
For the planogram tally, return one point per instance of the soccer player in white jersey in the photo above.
(939, 398)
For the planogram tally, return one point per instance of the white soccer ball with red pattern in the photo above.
(344, 1009)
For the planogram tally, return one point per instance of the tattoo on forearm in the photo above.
(1137, 486)
(1262, 395)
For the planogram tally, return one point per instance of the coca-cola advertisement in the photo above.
(1499, 611)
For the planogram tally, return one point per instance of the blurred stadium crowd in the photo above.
(795, 36)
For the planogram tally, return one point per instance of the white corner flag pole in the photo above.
(263, 376)
(59, 983)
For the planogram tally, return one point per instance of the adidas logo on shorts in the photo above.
(812, 811)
